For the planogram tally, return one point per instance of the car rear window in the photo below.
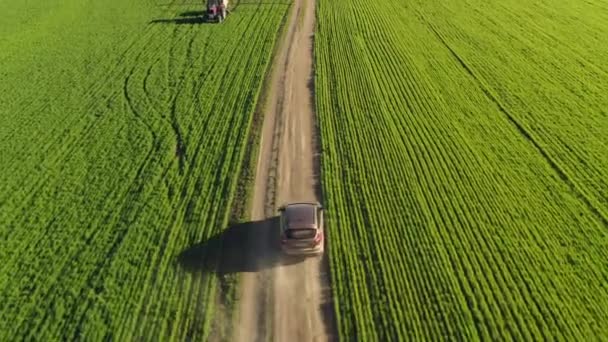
(300, 233)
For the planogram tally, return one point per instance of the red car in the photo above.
(302, 228)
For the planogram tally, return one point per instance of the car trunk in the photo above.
(301, 238)
(300, 234)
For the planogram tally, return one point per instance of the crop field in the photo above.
(124, 125)
(465, 167)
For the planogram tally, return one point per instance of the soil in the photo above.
(286, 299)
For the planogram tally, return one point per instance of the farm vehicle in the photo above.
(217, 10)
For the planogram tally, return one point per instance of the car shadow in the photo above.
(244, 247)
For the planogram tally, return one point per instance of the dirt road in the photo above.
(281, 301)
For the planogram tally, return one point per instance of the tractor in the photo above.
(217, 10)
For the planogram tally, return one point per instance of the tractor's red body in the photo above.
(217, 10)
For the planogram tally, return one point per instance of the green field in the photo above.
(124, 125)
(465, 167)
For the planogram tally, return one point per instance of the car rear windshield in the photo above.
(300, 233)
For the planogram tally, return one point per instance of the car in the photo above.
(301, 228)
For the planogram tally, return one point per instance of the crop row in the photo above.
(127, 156)
(460, 207)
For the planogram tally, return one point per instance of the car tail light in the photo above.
(318, 238)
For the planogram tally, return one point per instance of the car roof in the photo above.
(301, 214)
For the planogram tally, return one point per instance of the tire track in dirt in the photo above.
(285, 299)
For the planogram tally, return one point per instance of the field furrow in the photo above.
(121, 149)
(464, 168)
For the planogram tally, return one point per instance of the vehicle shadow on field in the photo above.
(244, 247)
(188, 18)
(192, 14)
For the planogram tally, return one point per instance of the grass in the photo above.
(464, 167)
(124, 131)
